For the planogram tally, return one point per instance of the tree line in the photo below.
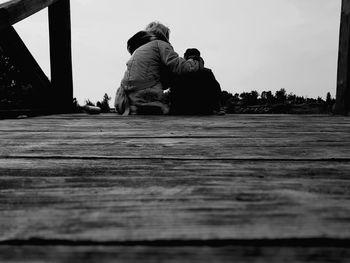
(269, 101)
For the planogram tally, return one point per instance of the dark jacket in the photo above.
(195, 93)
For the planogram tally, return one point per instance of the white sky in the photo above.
(249, 44)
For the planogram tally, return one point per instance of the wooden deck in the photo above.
(258, 188)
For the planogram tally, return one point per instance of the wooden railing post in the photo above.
(61, 55)
(342, 105)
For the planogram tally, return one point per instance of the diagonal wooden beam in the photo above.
(14, 47)
(342, 105)
(14, 11)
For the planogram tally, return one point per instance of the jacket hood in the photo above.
(141, 38)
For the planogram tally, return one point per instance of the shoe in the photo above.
(92, 109)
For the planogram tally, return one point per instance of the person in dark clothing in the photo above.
(195, 93)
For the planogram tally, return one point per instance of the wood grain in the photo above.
(236, 137)
(192, 148)
(154, 200)
(145, 181)
(200, 254)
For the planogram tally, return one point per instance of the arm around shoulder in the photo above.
(174, 62)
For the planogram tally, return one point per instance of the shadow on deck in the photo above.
(175, 188)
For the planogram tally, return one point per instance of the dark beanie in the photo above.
(192, 53)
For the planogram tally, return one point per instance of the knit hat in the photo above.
(192, 53)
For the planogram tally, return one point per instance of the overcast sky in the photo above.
(249, 44)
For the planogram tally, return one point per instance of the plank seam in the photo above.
(284, 242)
(162, 158)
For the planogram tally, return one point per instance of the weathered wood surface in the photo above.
(77, 178)
(14, 11)
(235, 137)
(124, 200)
(165, 148)
(87, 254)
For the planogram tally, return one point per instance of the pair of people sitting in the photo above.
(154, 66)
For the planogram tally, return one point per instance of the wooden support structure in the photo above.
(342, 105)
(61, 86)
(14, 11)
(14, 47)
(61, 57)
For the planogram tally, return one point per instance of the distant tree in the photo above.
(329, 102)
(329, 99)
(245, 98)
(263, 98)
(226, 98)
(75, 103)
(300, 100)
(253, 97)
(76, 107)
(104, 104)
(89, 103)
(320, 100)
(267, 97)
(311, 100)
(249, 98)
(281, 96)
(291, 98)
(236, 97)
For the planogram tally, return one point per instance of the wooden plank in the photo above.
(40, 145)
(23, 113)
(128, 200)
(244, 137)
(61, 55)
(230, 137)
(249, 254)
(15, 48)
(342, 105)
(153, 197)
(256, 139)
(168, 126)
(14, 11)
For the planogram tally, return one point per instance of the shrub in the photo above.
(104, 104)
